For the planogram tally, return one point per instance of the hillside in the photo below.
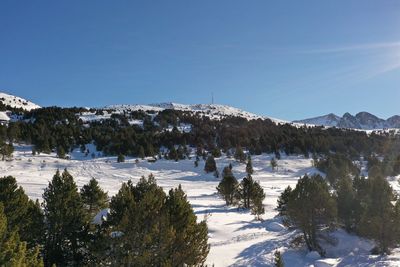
(17, 102)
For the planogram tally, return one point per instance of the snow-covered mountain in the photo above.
(362, 121)
(17, 102)
(214, 111)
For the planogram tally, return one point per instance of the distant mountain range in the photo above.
(362, 121)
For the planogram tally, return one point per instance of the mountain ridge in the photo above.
(362, 120)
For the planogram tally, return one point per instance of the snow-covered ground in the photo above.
(17, 102)
(236, 238)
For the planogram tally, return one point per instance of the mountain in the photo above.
(214, 111)
(362, 121)
(17, 102)
(326, 120)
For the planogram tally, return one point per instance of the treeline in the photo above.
(367, 207)
(60, 129)
(143, 227)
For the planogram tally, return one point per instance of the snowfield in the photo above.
(236, 238)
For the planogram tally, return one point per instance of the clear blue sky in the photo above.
(286, 59)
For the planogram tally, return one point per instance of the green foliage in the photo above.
(249, 166)
(120, 158)
(278, 261)
(13, 251)
(210, 165)
(66, 222)
(336, 167)
(93, 197)
(283, 201)
(157, 230)
(60, 152)
(228, 186)
(311, 208)
(239, 154)
(256, 200)
(251, 195)
(6, 150)
(24, 215)
(378, 222)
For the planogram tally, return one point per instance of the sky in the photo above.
(284, 59)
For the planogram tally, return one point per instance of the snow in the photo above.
(236, 238)
(17, 102)
(213, 111)
(4, 116)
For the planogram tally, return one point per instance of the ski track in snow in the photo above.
(236, 238)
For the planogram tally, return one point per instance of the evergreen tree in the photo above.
(216, 152)
(190, 246)
(245, 191)
(6, 150)
(66, 222)
(274, 164)
(173, 154)
(22, 214)
(311, 208)
(283, 201)
(120, 158)
(158, 230)
(210, 165)
(14, 252)
(228, 186)
(239, 154)
(61, 152)
(278, 261)
(94, 198)
(377, 221)
(141, 154)
(256, 200)
(346, 204)
(249, 166)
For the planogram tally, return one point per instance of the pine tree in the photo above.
(311, 208)
(94, 198)
(256, 200)
(23, 214)
(190, 246)
(228, 186)
(278, 261)
(141, 154)
(378, 221)
(210, 165)
(346, 204)
(14, 252)
(157, 230)
(283, 201)
(274, 164)
(120, 158)
(66, 222)
(61, 152)
(147, 234)
(239, 154)
(245, 190)
(249, 166)
(6, 150)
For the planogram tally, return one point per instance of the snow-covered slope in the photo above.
(362, 121)
(17, 102)
(214, 111)
(236, 238)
